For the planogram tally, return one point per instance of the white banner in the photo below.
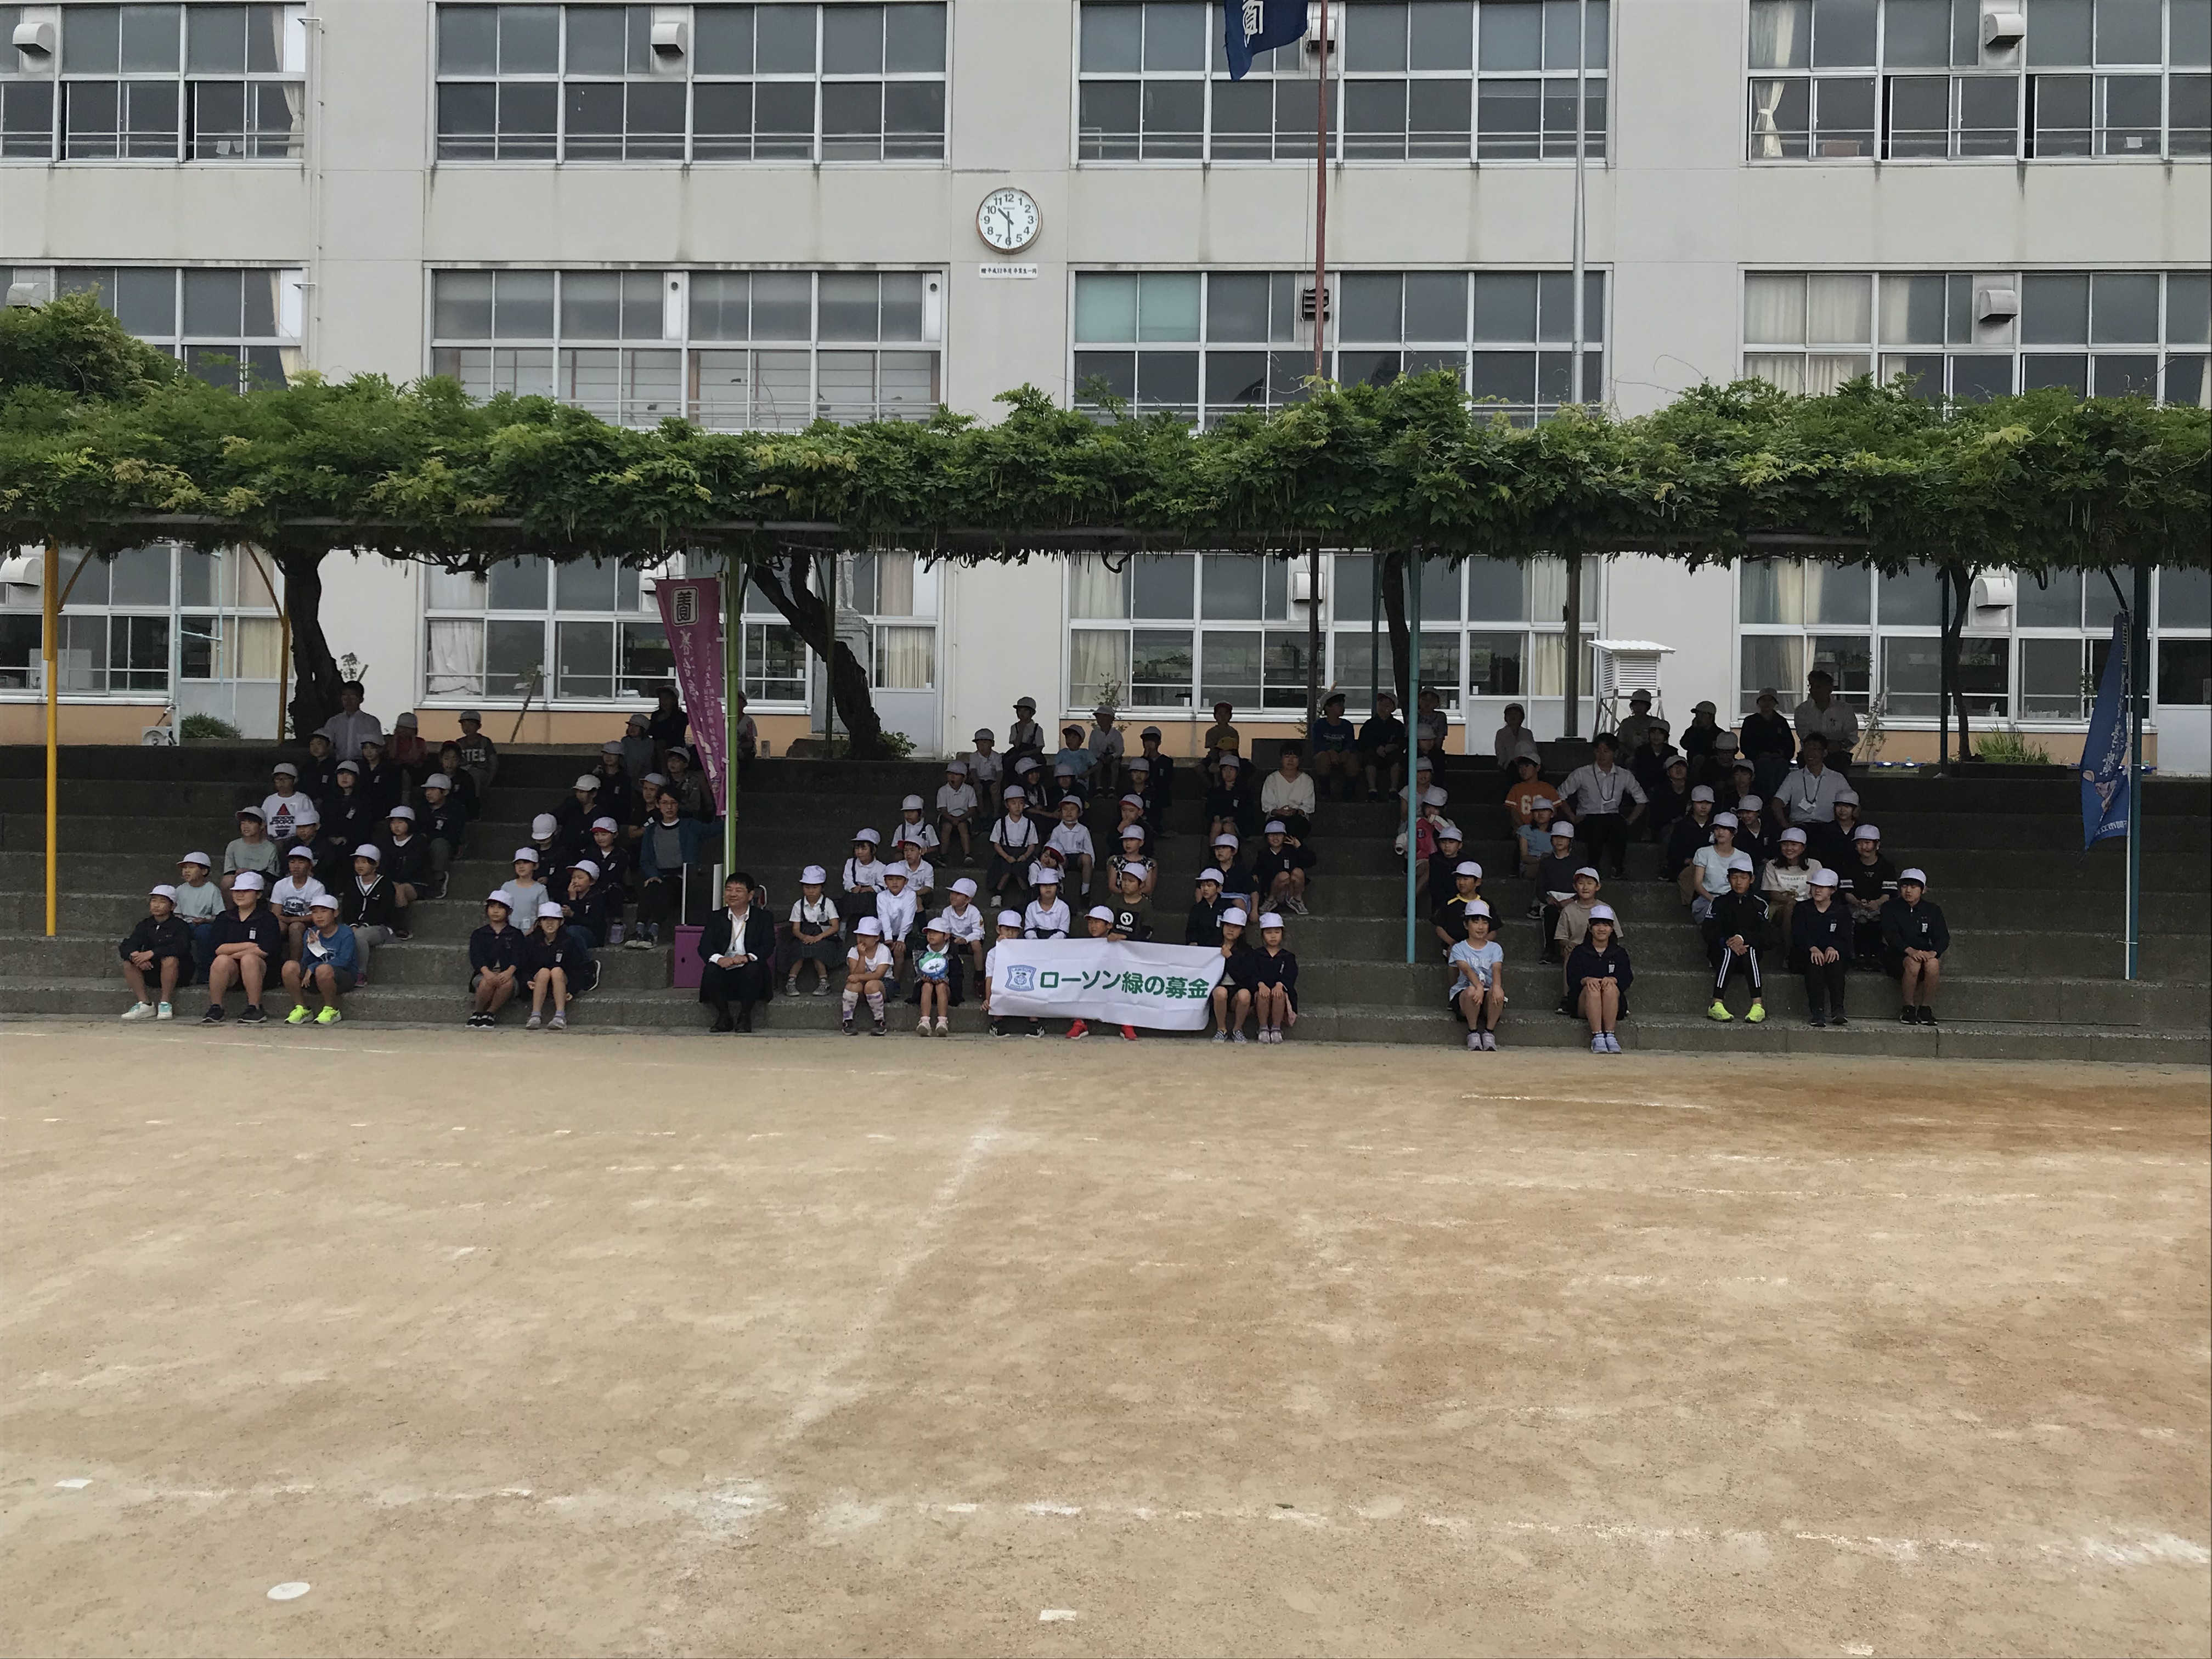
(1164, 988)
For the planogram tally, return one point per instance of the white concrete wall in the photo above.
(1676, 219)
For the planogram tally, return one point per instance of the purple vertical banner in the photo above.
(692, 612)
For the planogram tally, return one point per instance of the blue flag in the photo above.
(2105, 753)
(1249, 28)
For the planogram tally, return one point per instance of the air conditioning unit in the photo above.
(1996, 305)
(2003, 29)
(35, 40)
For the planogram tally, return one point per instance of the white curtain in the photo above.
(1095, 591)
(1098, 666)
(906, 659)
(1839, 310)
(456, 590)
(1783, 369)
(1824, 374)
(894, 584)
(1774, 308)
(295, 109)
(1547, 665)
(260, 648)
(456, 661)
(1547, 589)
(1766, 132)
(1778, 35)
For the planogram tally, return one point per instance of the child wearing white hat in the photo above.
(1914, 937)
(1232, 999)
(1274, 981)
(936, 968)
(199, 904)
(1477, 991)
(898, 909)
(1820, 948)
(1015, 839)
(867, 962)
(524, 892)
(1598, 977)
(367, 906)
(1736, 930)
(326, 965)
(956, 811)
(815, 924)
(964, 920)
(161, 946)
(1009, 927)
(910, 826)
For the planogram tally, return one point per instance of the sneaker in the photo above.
(846, 1025)
(474, 1021)
(1077, 1029)
(537, 1022)
(1718, 1011)
(1035, 1030)
(1238, 1036)
(298, 1016)
(993, 1028)
(922, 1025)
(1927, 1015)
(403, 934)
(791, 985)
(1128, 1034)
(637, 942)
(1221, 1037)
(943, 1027)
(1597, 1045)
(1837, 1019)
(214, 1015)
(330, 1016)
(876, 1030)
(1613, 1043)
(139, 1010)
(1908, 1015)
(252, 1015)
(1489, 1043)
(1820, 1024)
(558, 1023)
(166, 1013)
(1474, 1041)
(821, 990)
(1756, 1013)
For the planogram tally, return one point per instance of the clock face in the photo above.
(1007, 221)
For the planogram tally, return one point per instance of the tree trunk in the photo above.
(1401, 639)
(815, 621)
(315, 676)
(1955, 625)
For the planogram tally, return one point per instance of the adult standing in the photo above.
(668, 725)
(1596, 795)
(737, 956)
(352, 725)
(1825, 713)
(1767, 743)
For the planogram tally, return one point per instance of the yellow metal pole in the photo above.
(52, 649)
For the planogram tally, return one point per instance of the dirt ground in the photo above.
(569, 1344)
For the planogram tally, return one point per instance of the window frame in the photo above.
(1266, 68)
(187, 150)
(690, 78)
(2013, 63)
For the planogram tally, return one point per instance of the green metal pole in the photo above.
(732, 587)
(2138, 711)
(1413, 750)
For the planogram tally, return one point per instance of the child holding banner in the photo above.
(1010, 928)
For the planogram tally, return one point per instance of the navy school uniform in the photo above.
(1276, 968)
(408, 861)
(1912, 927)
(1202, 926)
(493, 948)
(1586, 962)
(563, 951)
(350, 818)
(170, 937)
(1812, 929)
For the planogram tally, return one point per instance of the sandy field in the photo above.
(807, 1345)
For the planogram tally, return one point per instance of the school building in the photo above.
(760, 214)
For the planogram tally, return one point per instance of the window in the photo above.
(233, 328)
(897, 594)
(2111, 333)
(2184, 646)
(1429, 80)
(730, 349)
(708, 82)
(197, 83)
(136, 624)
(1179, 632)
(1207, 344)
(1905, 80)
(579, 632)
(2042, 664)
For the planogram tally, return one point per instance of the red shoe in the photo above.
(1078, 1029)
(1128, 1034)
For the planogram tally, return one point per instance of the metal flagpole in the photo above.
(1413, 748)
(1943, 673)
(1321, 204)
(1374, 637)
(1581, 104)
(50, 644)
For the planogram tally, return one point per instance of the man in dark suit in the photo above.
(737, 956)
